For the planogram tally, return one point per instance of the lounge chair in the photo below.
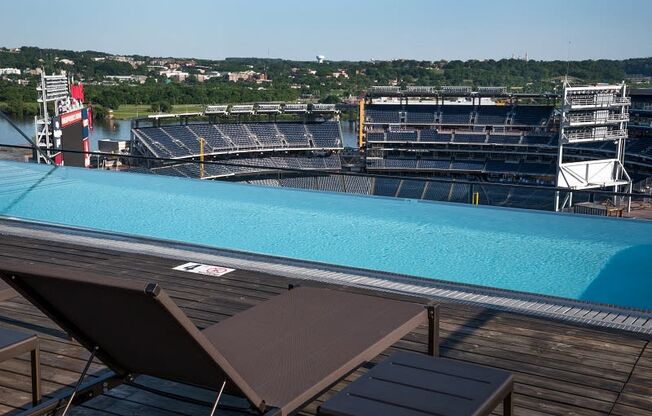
(279, 355)
(411, 384)
(6, 292)
(15, 343)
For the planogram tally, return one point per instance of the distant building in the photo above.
(127, 78)
(66, 61)
(174, 74)
(238, 76)
(159, 62)
(9, 71)
(260, 78)
(127, 59)
(211, 74)
(246, 76)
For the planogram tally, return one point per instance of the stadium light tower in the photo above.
(593, 114)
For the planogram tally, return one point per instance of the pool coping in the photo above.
(585, 313)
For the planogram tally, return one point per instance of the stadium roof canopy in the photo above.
(640, 91)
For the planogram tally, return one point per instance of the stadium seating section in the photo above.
(504, 139)
(524, 167)
(243, 166)
(433, 190)
(493, 115)
(470, 138)
(179, 141)
(455, 114)
(402, 136)
(531, 115)
(459, 114)
(325, 135)
(429, 135)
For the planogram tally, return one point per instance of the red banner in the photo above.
(71, 118)
(77, 91)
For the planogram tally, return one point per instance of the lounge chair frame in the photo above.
(29, 281)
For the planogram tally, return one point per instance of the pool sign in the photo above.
(206, 269)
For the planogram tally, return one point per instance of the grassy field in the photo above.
(128, 111)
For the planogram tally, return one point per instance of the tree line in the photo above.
(291, 80)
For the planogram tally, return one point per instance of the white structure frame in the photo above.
(52, 88)
(593, 114)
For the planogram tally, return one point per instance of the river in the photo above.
(114, 129)
(118, 130)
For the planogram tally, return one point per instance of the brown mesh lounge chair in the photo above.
(6, 292)
(279, 355)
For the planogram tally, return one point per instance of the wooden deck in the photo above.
(560, 369)
(640, 210)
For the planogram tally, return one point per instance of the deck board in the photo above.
(559, 368)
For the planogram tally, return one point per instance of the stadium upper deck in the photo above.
(640, 123)
(486, 135)
(448, 114)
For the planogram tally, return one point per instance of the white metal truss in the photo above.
(51, 88)
(591, 174)
(593, 114)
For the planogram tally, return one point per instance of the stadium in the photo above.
(450, 144)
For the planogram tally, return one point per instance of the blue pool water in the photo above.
(587, 258)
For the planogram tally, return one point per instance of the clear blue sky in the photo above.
(338, 29)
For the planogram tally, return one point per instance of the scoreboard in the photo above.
(71, 134)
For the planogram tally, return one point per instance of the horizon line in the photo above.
(371, 60)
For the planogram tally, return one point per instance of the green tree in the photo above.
(99, 112)
(331, 99)
(161, 107)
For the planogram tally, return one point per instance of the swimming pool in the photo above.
(577, 257)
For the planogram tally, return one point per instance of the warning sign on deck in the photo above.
(206, 269)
